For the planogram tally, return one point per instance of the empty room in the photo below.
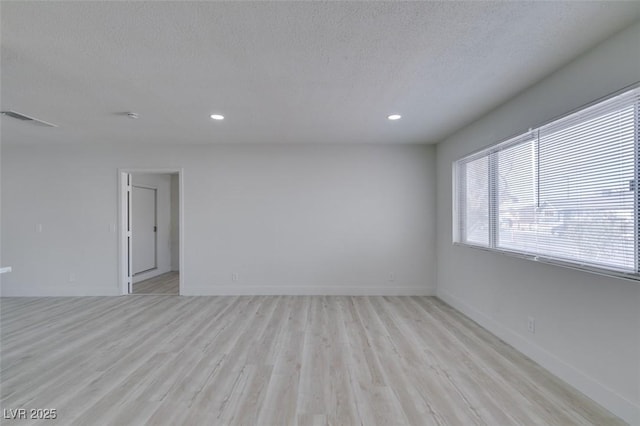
(320, 213)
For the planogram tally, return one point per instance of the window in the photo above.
(566, 192)
(475, 220)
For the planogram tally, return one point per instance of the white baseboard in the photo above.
(59, 291)
(150, 274)
(230, 290)
(609, 399)
(241, 290)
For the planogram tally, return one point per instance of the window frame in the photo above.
(458, 198)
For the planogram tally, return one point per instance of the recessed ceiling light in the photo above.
(23, 117)
(217, 116)
(394, 117)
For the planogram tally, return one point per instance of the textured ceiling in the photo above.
(299, 72)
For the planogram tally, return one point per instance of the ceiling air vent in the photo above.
(23, 117)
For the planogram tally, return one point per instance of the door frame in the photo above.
(125, 274)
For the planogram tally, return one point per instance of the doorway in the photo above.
(151, 219)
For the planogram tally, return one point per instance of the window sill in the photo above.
(550, 261)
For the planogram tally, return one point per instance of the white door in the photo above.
(143, 229)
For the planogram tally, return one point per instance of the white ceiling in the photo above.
(299, 72)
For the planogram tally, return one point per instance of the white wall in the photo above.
(294, 219)
(162, 184)
(587, 326)
(2, 264)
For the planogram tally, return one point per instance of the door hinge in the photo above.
(155, 229)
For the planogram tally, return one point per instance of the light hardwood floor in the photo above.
(167, 283)
(278, 360)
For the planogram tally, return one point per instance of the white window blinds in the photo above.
(564, 192)
(475, 219)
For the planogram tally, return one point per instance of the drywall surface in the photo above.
(162, 184)
(587, 327)
(279, 218)
(2, 265)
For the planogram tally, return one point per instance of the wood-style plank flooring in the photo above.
(271, 360)
(167, 283)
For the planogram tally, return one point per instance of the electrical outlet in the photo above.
(234, 276)
(72, 277)
(392, 277)
(38, 227)
(531, 324)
